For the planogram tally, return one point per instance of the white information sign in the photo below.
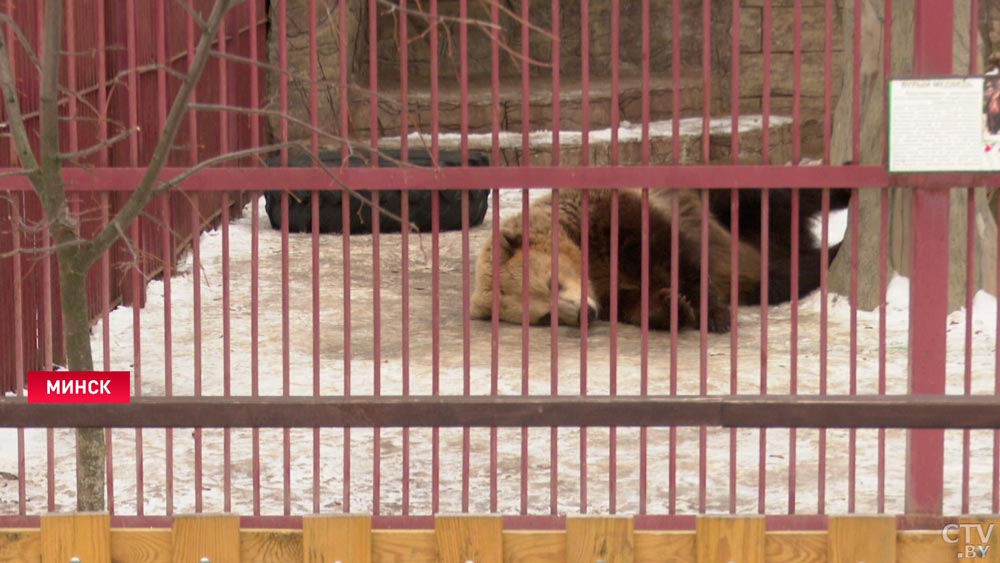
(944, 125)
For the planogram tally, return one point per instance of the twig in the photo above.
(84, 153)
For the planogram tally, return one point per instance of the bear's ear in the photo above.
(510, 240)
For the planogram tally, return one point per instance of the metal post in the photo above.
(932, 56)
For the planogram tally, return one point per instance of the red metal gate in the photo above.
(245, 291)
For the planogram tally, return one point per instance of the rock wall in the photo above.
(509, 106)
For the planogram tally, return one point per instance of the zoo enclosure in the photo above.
(684, 161)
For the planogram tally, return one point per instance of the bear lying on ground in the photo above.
(537, 250)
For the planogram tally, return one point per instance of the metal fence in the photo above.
(375, 329)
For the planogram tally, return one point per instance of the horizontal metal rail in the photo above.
(575, 177)
(746, 411)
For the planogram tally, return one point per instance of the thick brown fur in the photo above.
(628, 254)
(569, 244)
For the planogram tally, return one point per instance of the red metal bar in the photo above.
(463, 11)
(706, 78)
(613, 344)
(525, 340)
(314, 203)
(405, 233)
(827, 87)
(554, 289)
(579, 177)
(970, 291)
(436, 338)
(765, 127)
(615, 68)
(703, 354)
(853, 356)
(255, 336)
(675, 114)
(824, 288)
(584, 86)
(765, 210)
(376, 267)
(19, 373)
(932, 55)
(883, 277)
(796, 91)
(794, 343)
(584, 327)
(856, 88)
(674, 283)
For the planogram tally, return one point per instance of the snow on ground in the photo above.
(362, 442)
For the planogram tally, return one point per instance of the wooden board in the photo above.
(469, 538)
(871, 539)
(20, 546)
(85, 536)
(269, 546)
(608, 539)
(212, 537)
(135, 545)
(664, 547)
(343, 539)
(730, 539)
(404, 546)
(534, 547)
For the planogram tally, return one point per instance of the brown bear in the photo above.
(629, 265)
(571, 303)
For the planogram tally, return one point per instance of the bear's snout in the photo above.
(591, 314)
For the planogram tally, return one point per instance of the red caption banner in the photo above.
(79, 386)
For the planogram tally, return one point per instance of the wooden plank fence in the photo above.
(89, 538)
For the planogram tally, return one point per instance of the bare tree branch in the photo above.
(14, 117)
(84, 153)
(146, 188)
(191, 12)
(25, 44)
(207, 163)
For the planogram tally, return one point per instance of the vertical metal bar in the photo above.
(794, 344)
(853, 360)
(105, 268)
(436, 336)
(495, 317)
(346, 245)
(827, 81)
(703, 353)
(584, 323)
(797, 82)
(706, 78)
(932, 55)
(285, 353)
(345, 134)
(525, 340)
(70, 29)
(675, 114)
(133, 120)
(404, 82)
(824, 260)
(376, 258)
(765, 209)
(613, 375)
(196, 282)
(554, 281)
(970, 291)
(884, 254)
(254, 258)
(855, 158)
(463, 41)
(644, 284)
(435, 259)
(883, 276)
(19, 371)
(314, 201)
(584, 229)
(674, 279)
(166, 239)
(734, 252)
(615, 68)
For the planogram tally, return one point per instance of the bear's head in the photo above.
(511, 268)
